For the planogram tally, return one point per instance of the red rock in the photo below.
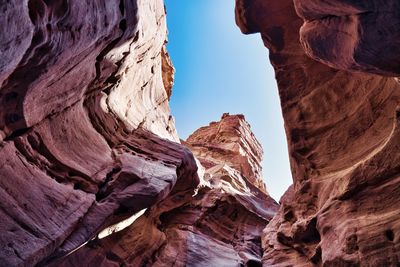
(230, 142)
(87, 141)
(352, 35)
(343, 135)
(168, 71)
(87, 136)
(88, 145)
(218, 226)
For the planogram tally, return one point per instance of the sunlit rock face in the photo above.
(229, 141)
(343, 135)
(217, 224)
(87, 137)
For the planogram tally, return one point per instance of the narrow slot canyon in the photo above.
(94, 171)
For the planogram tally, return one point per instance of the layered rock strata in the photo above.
(87, 138)
(342, 129)
(231, 142)
(218, 224)
(88, 146)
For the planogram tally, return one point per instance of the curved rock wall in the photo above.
(343, 135)
(352, 35)
(88, 146)
(87, 141)
(84, 122)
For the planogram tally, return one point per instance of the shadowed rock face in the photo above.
(352, 35)
(218, 225)
(343, 134)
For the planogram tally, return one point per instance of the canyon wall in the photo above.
(342, 129)
(87, 139)
(88, 146)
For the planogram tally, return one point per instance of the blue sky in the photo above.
(218, 69)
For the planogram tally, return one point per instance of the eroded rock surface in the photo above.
(343, 133)
(87, 141)
(352, 35)
(229, 141)
(218, 224)
(87, 137)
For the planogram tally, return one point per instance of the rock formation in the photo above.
(352, 35)
(342, 128)
(87, 138)
(229, 142)
(88, 142)
(219, 224)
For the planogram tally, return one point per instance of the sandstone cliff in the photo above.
(87, 142)
(87, 138)
(219, 224)
(229, 142)
(342, 129)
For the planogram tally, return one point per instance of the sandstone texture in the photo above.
(92, 170)
(352, 35)
(218, 224)
(87, 139)
(342, 128)
(229, 142)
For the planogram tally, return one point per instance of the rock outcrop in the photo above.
(231, 142)
(87, 137)
(219, 224)
(342, 128)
